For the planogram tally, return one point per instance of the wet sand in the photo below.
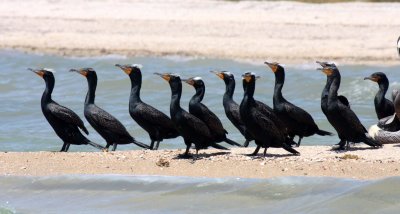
(288, 32)
(360, 163)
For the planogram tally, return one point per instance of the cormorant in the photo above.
(296, 120)
(263, 128)
(202, 112)
(398, 45)
(383, 106)
(104, 123)
(341, 117)
(64, 121)
(191, 128)
(158, 125)
(231, 107)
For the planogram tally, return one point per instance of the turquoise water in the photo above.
(155, 194)
(24, 128)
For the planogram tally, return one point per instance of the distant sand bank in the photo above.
(363, 163)
(288, 32)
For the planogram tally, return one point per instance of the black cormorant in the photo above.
(64, 121)
(202, 112)
(383, 106)
(297, 121)
(191, 128)
(341, 117)
(158, 125)
(264, 129)
(398, 45)
(104, 123)
(230, 106)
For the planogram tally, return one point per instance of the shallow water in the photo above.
(155, 194)
(24, 128)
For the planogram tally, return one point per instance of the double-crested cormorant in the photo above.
(297, 121)
(104, 123)
(263, 128)
(158, 125)
(230, 106)
(398, 45)
(191, 128)
(202, 112)
(64, 121)
(383, 106)
(341, 117)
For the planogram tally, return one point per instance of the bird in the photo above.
(296, 120)
(383, 106)
(104, 123)
(341, 117)
(158, 125)
(202, 112)
(264, 129)
(191, 128)
(64, 121)
(230, 106)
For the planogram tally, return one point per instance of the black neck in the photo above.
(383, 87)
(176, 92)
(92, 84)
(199, 95)
(46, 97)
(279, 81)
(332, 96)
(229, 89)
(136, 84)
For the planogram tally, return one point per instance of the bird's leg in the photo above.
(157, 145)
(67, 147)
(292, 140)
(298, 143)
(255, 151)
(114, 146)
(347, 145)
(152, 145)
(246, 143)
(63, 147)
(186, 155)
(340, 145)
(108, 146)
(265, 152)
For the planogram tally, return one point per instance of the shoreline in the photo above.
(315, 161)
(287, 32)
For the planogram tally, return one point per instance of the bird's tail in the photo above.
(290, 149)
(231, 142)
(95, 145)
(141, 144)
(323, 133)
(372, 142)
(217, 146)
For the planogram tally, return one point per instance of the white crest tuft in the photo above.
(49, 70)
(227, 73)
(175, 74)
(196, 78)
(137, 66)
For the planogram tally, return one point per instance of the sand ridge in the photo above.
(288, 32)
(360, 163)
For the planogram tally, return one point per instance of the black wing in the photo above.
(153, 116)
(351, 119)
(67, 115)
(196, 124)
(106, 121)
(211, 120)
(344, 100)
(299, 115)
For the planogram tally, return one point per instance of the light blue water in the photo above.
(24, 128)
(155, 194)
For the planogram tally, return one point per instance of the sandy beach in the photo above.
(360, 163)
(288, 32)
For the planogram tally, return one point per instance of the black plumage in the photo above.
(158, 125)
(341, 117)
(383, 106)
(231, 107)
(64, 121)
(191, 128)
(111, 129)
(398, 45)
(264, 129)
(202, 112)
(296, 120)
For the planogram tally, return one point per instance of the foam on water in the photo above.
(155, 194)
(24, 128)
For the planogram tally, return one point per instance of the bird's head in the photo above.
(86, 72)
(45, 73)
(275, 67)
(377, 77)
(130, 68)
(196, 82)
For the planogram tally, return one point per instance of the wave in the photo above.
(155, 194)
